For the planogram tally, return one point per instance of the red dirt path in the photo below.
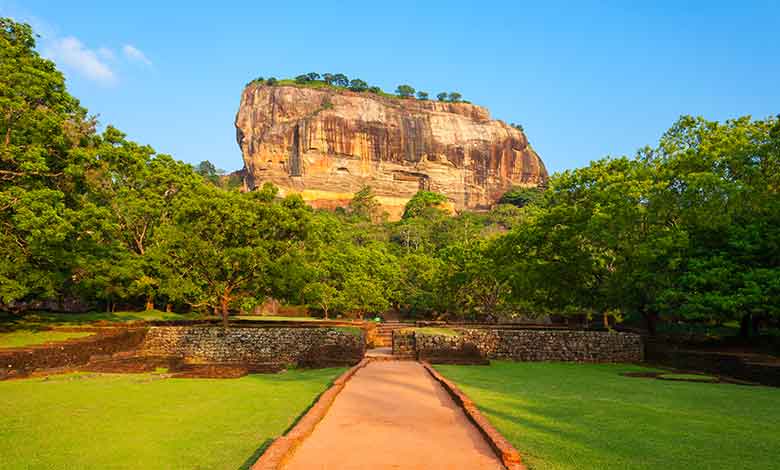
(394, 415)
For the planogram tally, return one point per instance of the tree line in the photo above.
(688, 229)
(339, 80)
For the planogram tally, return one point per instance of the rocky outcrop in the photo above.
(327, 144)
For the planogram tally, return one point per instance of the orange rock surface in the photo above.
(327, 144)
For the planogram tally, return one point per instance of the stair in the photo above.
(384, 332)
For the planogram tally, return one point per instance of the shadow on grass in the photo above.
(256, 455)
(260, 450)
(44, 320)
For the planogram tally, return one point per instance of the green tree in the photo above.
(358, 85)
(421, 293)
(520, 196)
(364, 204)
(421, 201)
(454, 97)
(321, 295)
(362, 297)
(44, 225)
(328, 78)
(340, 80)
(604, 242)
(405, 91)
(221, 248)
(723, 182)
(473, 288)
(442, 96)
(422, 95)
(209, 172)
(139, 187)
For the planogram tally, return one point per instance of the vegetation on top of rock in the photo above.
(405, 91)
(358, 85)
(340, 81)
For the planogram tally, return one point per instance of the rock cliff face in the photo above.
(327, 144)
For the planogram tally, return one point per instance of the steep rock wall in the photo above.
(327, 144)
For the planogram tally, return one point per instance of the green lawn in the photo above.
(100, 421)
(697, 377)
(19, 338)
(577, 416)
(274, 318)
(436, 331)
(45, 319)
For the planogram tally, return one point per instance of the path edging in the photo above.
(503, 449)
(283, 447)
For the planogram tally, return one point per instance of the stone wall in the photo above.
(21, 362)
(535, 345)
(404, 344)
(310, 347)
(749, 367)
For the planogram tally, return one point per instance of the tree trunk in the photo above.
(150, 302)
(325, 309)
(168, 308)
(650, 320)
(224, 308)
(745, 326)
(606, 320)
(756, 324)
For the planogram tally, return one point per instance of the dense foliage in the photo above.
(341, 81)
(689, 229)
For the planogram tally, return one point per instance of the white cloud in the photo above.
(134, 53)
(101, 65)
(71, 53)
(106, 53)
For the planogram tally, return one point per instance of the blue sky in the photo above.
(586, 79)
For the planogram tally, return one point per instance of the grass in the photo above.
(274, 318)
(577, 416)
(351, 330)
(433, 331)
(20, 338)
(46, 319)
(130, 421)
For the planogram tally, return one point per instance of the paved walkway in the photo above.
(380, 353)
(394, 415)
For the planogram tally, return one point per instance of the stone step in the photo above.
(391, 328)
